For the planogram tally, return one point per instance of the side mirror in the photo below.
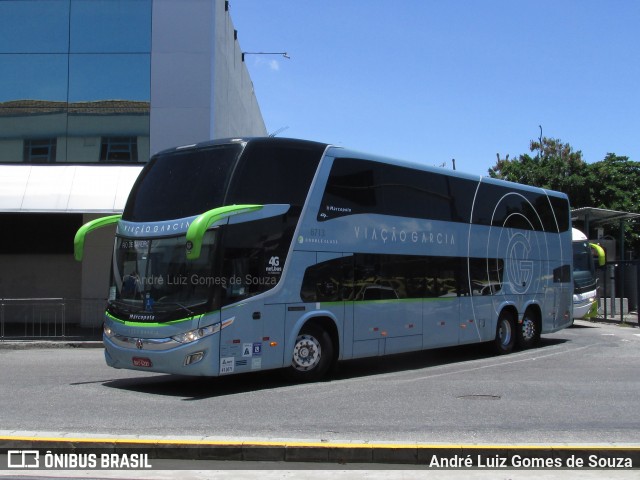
(78, 241)
(206, 220)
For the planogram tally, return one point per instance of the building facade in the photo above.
(89, 90)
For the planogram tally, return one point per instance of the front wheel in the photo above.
(505, 333)
(312, 354)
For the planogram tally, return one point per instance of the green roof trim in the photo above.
(204, 221)
(78, 241)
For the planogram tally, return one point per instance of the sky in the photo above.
(430, 81)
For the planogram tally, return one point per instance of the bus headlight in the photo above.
(107, 331)
(197, 334)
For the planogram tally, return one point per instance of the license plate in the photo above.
(142, 362)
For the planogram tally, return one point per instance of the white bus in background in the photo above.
(585, 280)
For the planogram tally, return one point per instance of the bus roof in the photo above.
(241, 140)
(577, 235)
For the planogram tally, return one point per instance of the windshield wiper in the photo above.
(160, 307)
(183, 307)
(124, 306)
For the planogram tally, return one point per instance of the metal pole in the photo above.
(604, 292)
(638, 289)
(624, 270)
(586, 225)
(621, 274)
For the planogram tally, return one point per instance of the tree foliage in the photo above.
(611, 183)
(555, 166)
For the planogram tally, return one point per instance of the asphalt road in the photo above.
(582, 385)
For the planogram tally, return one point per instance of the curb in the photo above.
(62, 343)
(627, 322)
(471, 455)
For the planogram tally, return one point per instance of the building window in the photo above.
(40, 150)
(119, 149)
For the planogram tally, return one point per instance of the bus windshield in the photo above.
(584, 276)
(182, 184)
(153, 281)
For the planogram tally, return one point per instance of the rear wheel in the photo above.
(528, 333)
(505, 333)
(312, 354)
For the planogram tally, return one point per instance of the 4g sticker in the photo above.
(274, 267)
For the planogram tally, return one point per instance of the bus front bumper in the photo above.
(164, 355)
(582, 303)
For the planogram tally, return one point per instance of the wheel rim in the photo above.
(528, 329)
(306, 353)
(505, 332)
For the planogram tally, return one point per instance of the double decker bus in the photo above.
(252, 254)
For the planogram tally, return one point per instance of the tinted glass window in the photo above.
(389, 277)
(34, 26)
(181, 184)
(485, 276)
(75, 70)
(562, 274)
(561, 209)
(33, 77)
(350, 189)
(275, 172)
(254, 255)
(329, 281)
(361, 186)
(503, 207)
(365, 277)
(419, 194)
(442, 276)
(99, 26)
(122, 77)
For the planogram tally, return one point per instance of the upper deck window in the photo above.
(181, 184)
(184, 183)
(502, 206)
(275, 172)
(362, 186)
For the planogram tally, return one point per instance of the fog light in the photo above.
(193, 358)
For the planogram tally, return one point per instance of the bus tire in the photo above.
(312, 354)
(528, 333)
(505, 333)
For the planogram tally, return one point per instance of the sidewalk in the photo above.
(168, 452)
(24, 344)
(629, 319)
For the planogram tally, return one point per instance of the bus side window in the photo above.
(485, 276)
(254, 256)
(329, 281)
